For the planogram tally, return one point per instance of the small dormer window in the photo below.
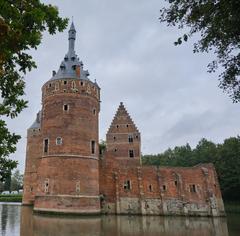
(65, 58)
(73, 58)
(62, 67)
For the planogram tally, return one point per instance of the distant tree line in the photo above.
(225, 157)
(13, 182)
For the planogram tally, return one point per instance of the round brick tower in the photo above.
(33, 157)
(68, 174)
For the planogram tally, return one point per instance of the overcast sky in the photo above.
(166, 89)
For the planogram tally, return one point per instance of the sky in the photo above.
(165, 88)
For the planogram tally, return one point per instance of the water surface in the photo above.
(19, 220)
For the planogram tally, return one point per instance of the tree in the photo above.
(228, 168)
(7, 182)
(16, 181)
(218, 23)
(102, 147)
(21, 26)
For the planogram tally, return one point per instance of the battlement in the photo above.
(73, 86)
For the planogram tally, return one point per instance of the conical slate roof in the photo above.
(37, 123)
(71, 63)
(122, 122)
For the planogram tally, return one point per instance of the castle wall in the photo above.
(162, 191)
(33, 157)
(68, 174)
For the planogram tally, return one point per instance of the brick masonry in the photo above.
(65, 173)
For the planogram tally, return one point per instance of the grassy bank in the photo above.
(11, 198)
(232, 207)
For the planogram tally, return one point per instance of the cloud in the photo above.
(166, 89)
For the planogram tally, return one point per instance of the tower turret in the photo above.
(71, 38)
(68, 177)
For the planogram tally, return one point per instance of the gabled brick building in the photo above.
(65, 173)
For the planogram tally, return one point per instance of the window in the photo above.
(114, 138)
(73, 85)
(117, 126)
(78, 187)
(50, 85)
(130, 138)
(46, 145)
(92, 146)
(94, 111)
(46, 185)
(150, 188)
(192, 188)
(81, 83)
(131, 153)
(164, 188)
(57, 86)
(65, 82)
(127, 185)
(127, 126)
(115, 149)
(136, 136)
(65, 107)
(58, 141)
(176, 183)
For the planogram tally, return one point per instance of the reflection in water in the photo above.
(10, 219)
(43, 225)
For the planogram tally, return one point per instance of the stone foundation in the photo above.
(68, 204)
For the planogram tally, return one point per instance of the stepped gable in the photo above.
(122, 122)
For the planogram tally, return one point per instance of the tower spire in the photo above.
(71, 38)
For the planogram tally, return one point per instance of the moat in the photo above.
(19, 220)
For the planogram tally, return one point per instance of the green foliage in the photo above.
(11, 198)
(225, 157)
(218, 24)
(16, 181)
(21, 26)
(7, 182)
(102, 147)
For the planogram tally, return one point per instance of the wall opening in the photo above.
(130, 138)
(164, 187)
(58, 141)
(150, 188)
(127, 185)
(57, 86)
(73, 85)
(65, 107)
(176, 183)
(46, 143)
(78, 187)
(192, 188)
(46, 186)
(93, 144)
(131, 153)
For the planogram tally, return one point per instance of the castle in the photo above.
(66, 173)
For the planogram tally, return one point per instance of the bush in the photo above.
(11, 198)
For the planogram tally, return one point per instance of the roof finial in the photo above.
(71, 38)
